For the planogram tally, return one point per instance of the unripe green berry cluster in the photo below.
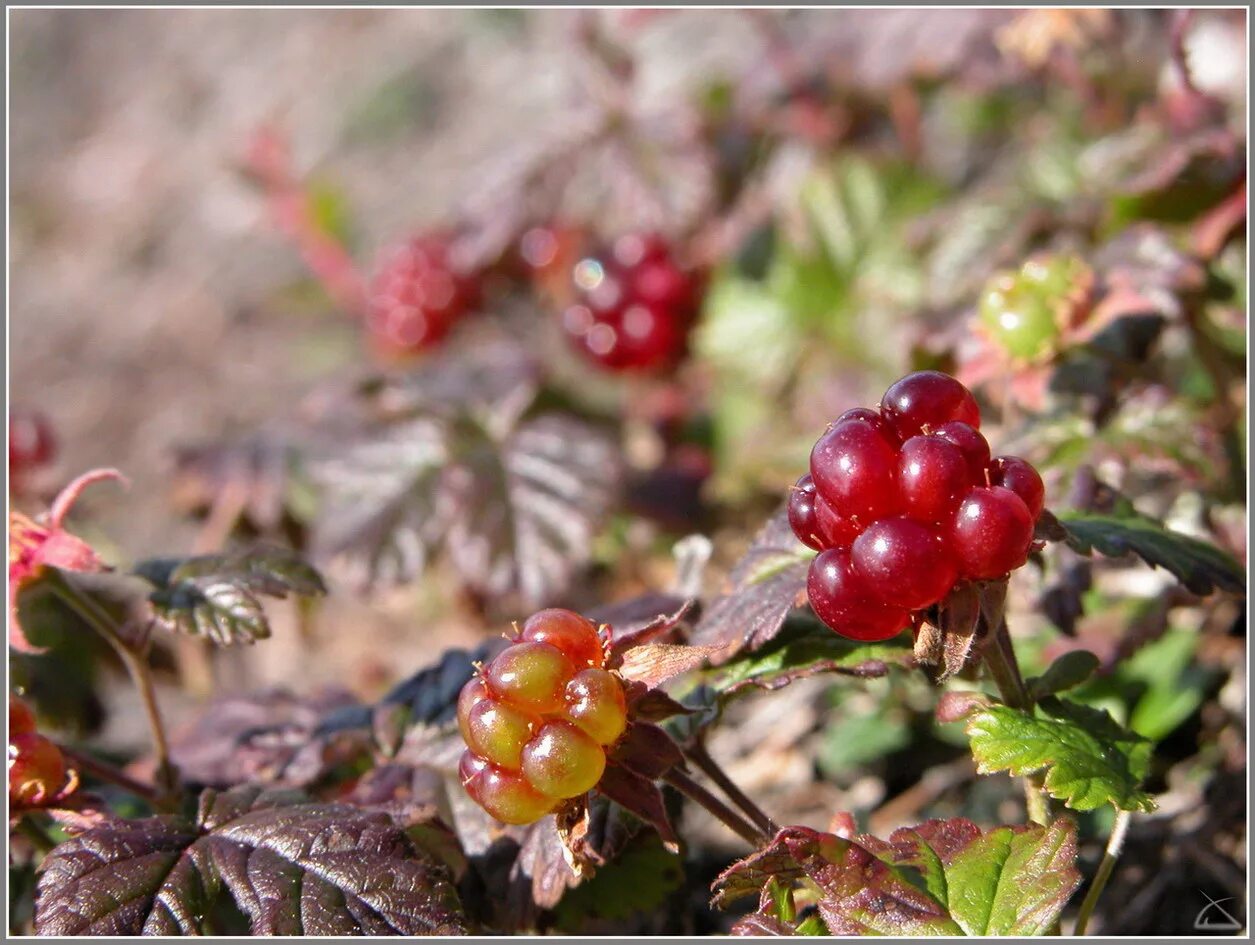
(538, 718)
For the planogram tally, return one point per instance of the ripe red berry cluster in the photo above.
(903, 502)
(634, 305)
(538, 718)
(31, 445)
(37, 771)
(417, 294)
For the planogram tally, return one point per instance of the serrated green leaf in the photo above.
(217, 596)
(1199, 566)
(1089, 760)
(1008, 881)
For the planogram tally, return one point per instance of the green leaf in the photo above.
(217, 596)
(1008, 881)
(805, 648)
(1201, 567)
(639, 878)
(1174, 685)
(1068, 671)
(1089, 760)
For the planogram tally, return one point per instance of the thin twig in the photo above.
(1005, 669)
(697, 753)
(1109, 858)
(698, 794)
(107, 772)
(136, 663)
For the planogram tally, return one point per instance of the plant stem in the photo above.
(697, 753)
(1005, 669)
(141, 675)
(1105, 868)
(34, 833)
(135, 659)
(107, 772)
(734, 821)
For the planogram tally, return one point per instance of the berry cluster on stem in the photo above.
(903, 502)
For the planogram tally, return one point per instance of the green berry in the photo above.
(596, 704)
(562, 761)
(509, 798)
(530, 676)
(497, 732)
(1026, 311)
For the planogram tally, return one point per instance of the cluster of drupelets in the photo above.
(538, 718)
(627, 305)
(903, 502)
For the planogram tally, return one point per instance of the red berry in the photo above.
(972, 444)
(1020, 477)
(928, 399)
(991, 533)
(933, 476)
(662, 282)
(36, 770)
(530, 676)
(649, 335)
(634, 249)
(802, 514)
(596, 703)
(21, 718)
(563, 761)
(31, 440)
(635, 306)
(474, 692)
(873, 417)
(573, 634)
(841, 600)
(508, 797)
(470, 767)
(416, 295)
(903, 563)
(837, 530)
(853, 466)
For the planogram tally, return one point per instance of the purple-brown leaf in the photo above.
(768, 582)
(292, 867)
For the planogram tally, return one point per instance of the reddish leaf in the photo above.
(647, 750)
(652, 705)
(644, 619)
(292, 867)
(270, 737)
(643, 798)
(655, 663)
(768, 582)
(859, 893)
(514, 500)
